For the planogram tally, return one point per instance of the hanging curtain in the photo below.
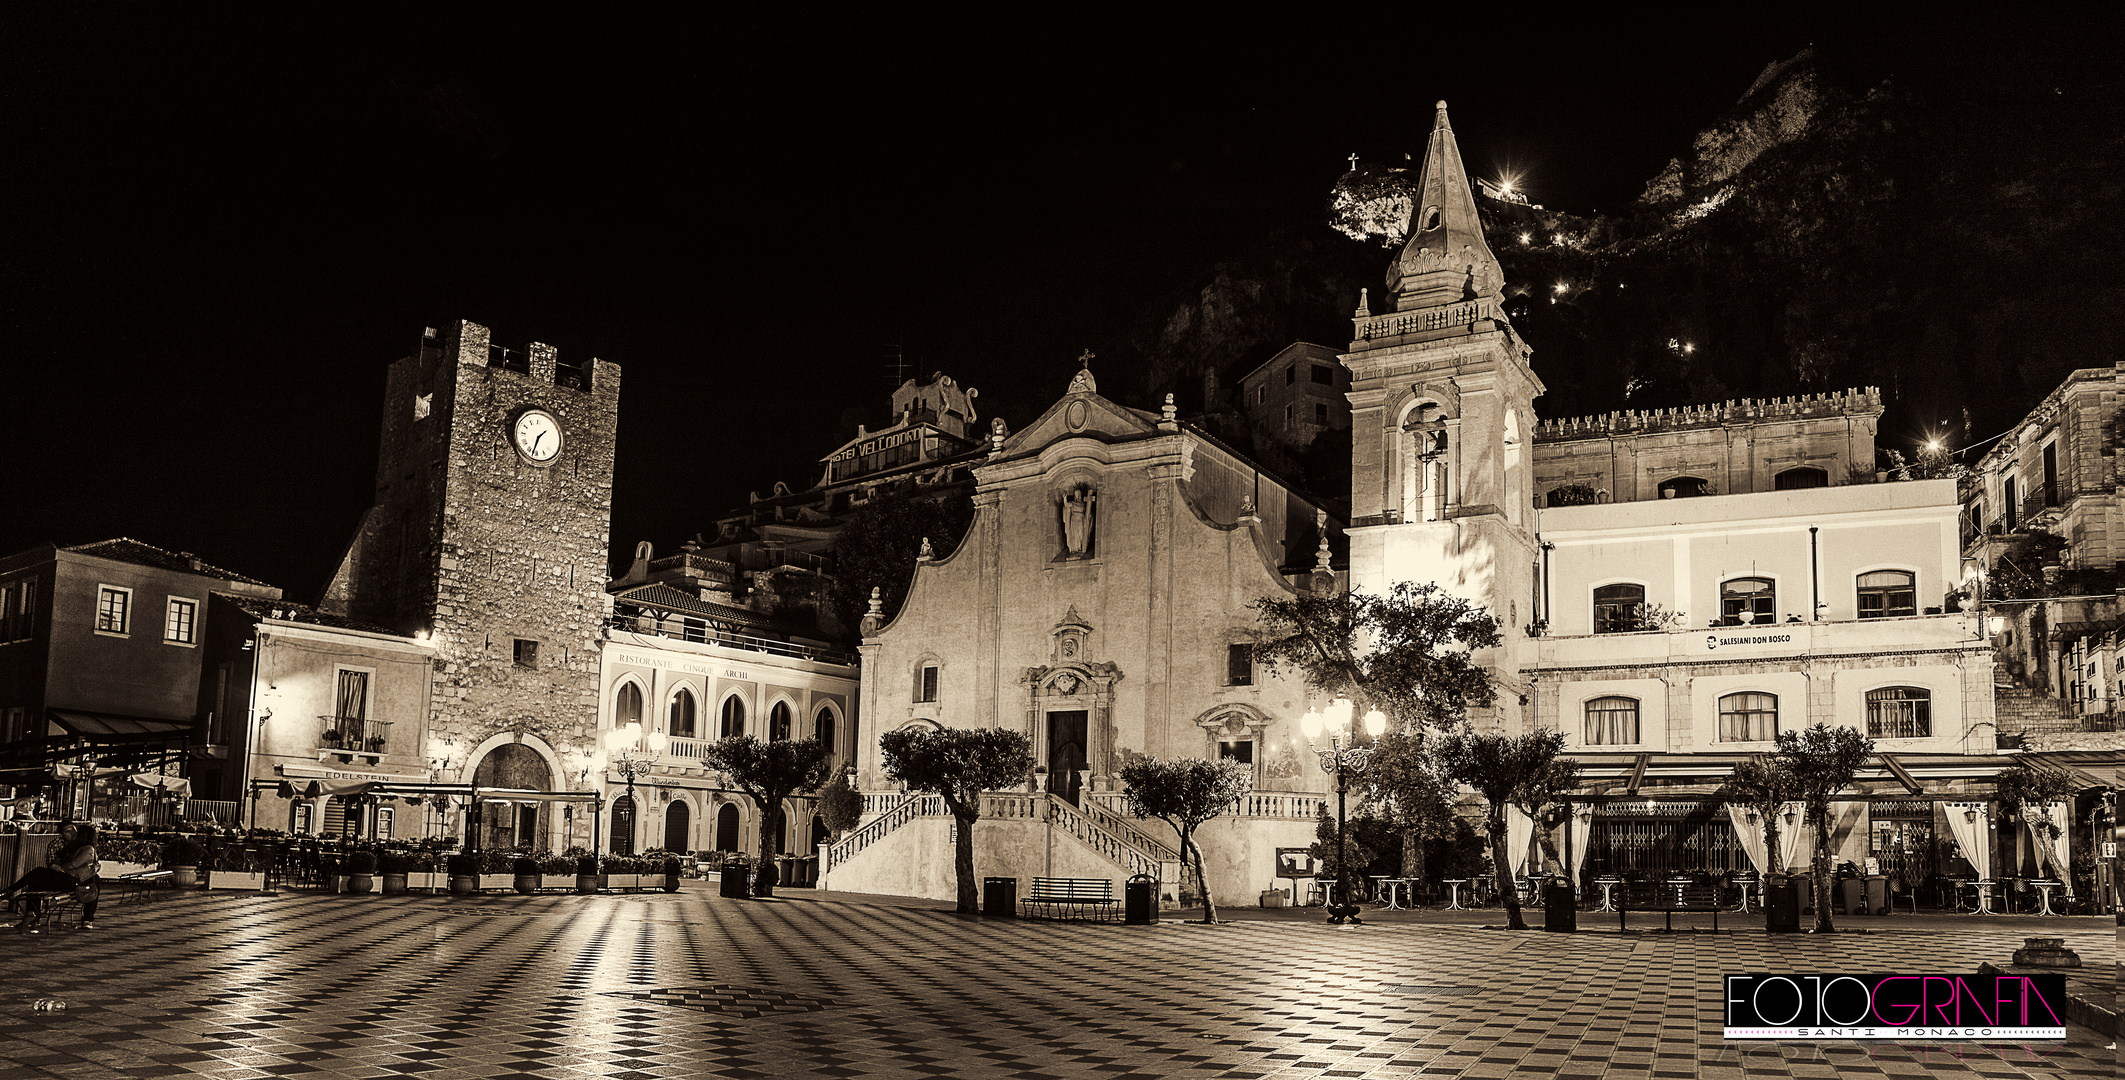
(2053, 854)
(1582, 829)
(1751, 837)
(1796, 840)
(1971, 836)
(1519, 830)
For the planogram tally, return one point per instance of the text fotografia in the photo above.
(1895, 1006)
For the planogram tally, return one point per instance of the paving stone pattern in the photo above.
(306, 985)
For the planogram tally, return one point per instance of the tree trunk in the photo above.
(1194, 855)
(1503, 866)
(1770, 840)
(963, 859)
(1822, 869)
(767, 848)
(1413, 862)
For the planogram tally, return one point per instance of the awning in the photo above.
(1657, 774)
(116, 727)
(2084, 769)
(167, 785)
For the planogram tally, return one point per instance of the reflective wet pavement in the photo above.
(830, 985)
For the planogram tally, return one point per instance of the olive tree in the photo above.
(1524, 771)
(1822, 760)
(1763, 785)
(2030, 793)
(1184, 793)
(768, 773)
(957, 764)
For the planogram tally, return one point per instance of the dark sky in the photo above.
(223, 225)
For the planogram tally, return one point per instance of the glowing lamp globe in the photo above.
(1338, 715)
(1311, 724)
(1375, 723)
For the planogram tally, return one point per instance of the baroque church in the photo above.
(1676, 587)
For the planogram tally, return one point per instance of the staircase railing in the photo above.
(1106, 817)
(1100, 840)
(908, 808)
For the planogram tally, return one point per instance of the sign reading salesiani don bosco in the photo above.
(1895, 1006)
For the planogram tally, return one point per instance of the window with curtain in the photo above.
(627, 706)
(1899, 712)
(1612, 721)
(1886, 594)
(352, 701)
(1619, 609)
(733, 716)
(1748, 717)
(682, 715)
(1749, 599)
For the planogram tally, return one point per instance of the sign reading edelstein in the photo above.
(1817, 1007)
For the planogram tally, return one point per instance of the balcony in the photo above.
(350, 737)
(1759, 640)
(698, 631)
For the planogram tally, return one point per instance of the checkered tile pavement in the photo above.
(306, 985)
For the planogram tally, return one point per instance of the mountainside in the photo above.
(1950, 234)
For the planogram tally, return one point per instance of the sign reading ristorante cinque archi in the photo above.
(1815, 1007)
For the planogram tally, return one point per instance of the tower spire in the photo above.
(1445, 260)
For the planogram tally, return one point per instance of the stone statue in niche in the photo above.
(1069, 648)
(1077, 521)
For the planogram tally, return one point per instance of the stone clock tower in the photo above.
(489, 533)
(1442, 418)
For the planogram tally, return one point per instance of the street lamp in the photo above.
(1342, 760)
(633, 752)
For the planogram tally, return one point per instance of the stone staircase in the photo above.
(1130, 850)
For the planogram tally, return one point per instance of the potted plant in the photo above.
(127, 855)
(361, 872)
(526, 870)
(421, 871)
(395, 865)
(182, 856)
(589, 879)
(557, 872)
(673, 867)
(622, 872)
(464, 874)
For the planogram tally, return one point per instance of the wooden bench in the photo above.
(1667, 899)
(1071, 898)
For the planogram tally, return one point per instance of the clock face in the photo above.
(537, 436)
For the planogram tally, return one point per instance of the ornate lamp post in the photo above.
(1342, 760)
(633, 752)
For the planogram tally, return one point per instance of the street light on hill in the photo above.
(1342, 757)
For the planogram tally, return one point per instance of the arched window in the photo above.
(1747, 600)
(1899, 712)
(1611, 721)
(733, 716)
(1885, 594)
(1748, 717)
(1684, 487)
(778, 720)
(823, 728)
(1801, 478)
(627, 705)
(682, 715)
(1619, 609)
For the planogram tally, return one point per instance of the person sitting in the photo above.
(73, 870)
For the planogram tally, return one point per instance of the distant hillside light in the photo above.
(1526, 238)
(1562, 287)
(1933, 446)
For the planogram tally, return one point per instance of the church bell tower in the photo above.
(1442, 410)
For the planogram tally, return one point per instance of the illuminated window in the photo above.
(1748, 717)
(1899, 712)
(179, 624)
(733, 716)
(1886, 594)
(1612, 721)
(113, 607)
(627, 706)
(682, 715)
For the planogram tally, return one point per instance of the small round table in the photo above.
(1680, 883)
(1744, 881)
(1984, 896)
(1389, 886)
(1608, 885)
(2043, 889)
(1955, 892)
(1453, 899)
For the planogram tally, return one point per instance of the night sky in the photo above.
(223, 226)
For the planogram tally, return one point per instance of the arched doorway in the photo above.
(677, 826)
(505, 825)
(820, 835)
(727, 828)
(623, 825)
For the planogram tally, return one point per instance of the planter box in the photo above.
(231, 879)
(434, 882)
(623, 881)
(120, 869)
(557, 882)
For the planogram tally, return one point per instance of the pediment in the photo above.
(1081, 415)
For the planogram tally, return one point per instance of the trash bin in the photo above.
(1140, 900)
(1560, 907)
(736, 880)
(1781, 905)
(1877, 894)
(1851, 896)
(999, 897)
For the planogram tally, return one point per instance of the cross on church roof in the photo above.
(1085, 361)
(1353, 163)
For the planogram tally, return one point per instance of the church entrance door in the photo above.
(1066, 754)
